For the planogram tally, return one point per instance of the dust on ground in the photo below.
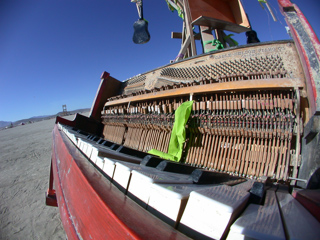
(25, 154)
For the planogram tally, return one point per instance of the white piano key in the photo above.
(259, 222)
(122, 173)
(142, 180)
(100, 162)
(71, 137)
(94, 154)
(109, 167)
(88, 150)
(80, 143)
(168, 201)
(84, 146)
(211, 211)
(60, 127)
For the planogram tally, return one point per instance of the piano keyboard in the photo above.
(205, 211)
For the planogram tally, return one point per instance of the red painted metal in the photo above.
(286, 5)
(310, 199)
(308, 28)
(91, 207)
(51, 198)
(64, 212)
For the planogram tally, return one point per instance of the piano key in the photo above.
(122, 174)
(310, 199)
(175, 167)
(100, 162)
(151, 161)
(88, 150)
(80, 144)
(168, 201)
(209, 212)
(109, 167)
(84, 147)
(70, 135)
(142, 180)
(94, 154)
(245, 185)
(257, 192)
(259, 222)
(298, 222)
(202, 176)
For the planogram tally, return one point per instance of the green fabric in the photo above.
(178, 134)
(229, 37)
(214, 42)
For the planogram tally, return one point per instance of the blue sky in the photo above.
(52, 52)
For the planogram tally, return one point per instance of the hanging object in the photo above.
(141, 34)
(268, 6)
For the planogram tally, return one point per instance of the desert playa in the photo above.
(25, 153)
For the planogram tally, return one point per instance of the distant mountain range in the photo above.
(4, 124)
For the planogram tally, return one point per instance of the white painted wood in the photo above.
(100, 162)
(84, 146)
(211, 211)
(109, 166)
(94, 154)
(122, 173)
(169, 200)
(72, 138)
(80, 143)
(88, 149)
(259, 222)
(298, 221)
(142, 180)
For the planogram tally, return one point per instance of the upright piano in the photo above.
(249, 166)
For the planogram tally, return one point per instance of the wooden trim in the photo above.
(187, 16)
(227, 86)
(178, 35)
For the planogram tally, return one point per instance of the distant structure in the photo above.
(64, 110)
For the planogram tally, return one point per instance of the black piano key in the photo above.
(201, 176)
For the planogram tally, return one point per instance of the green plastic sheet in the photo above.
(178, 134)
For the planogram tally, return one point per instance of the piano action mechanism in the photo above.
(247, 116)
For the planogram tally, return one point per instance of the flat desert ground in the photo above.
(25, 154)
